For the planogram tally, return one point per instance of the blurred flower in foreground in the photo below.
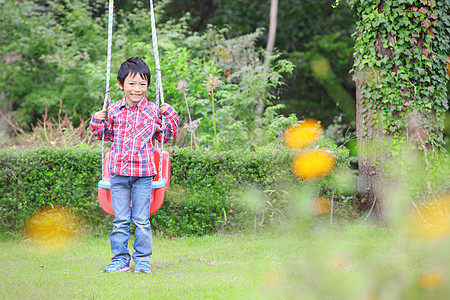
(431, 279)
(52, 228)
(431, 220)
(302, 134)
(313, 164)
(321, 205)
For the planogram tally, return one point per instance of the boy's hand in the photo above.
(164, 107)
(100, 115)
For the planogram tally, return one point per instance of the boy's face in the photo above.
(135, 88)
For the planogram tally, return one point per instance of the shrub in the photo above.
(207, 190)
(38, 177)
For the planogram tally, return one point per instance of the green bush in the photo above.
(38, 177)
(205, 196)
(206, 188)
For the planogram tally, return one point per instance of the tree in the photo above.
(272, 26)
(270, 47)
(400, 54)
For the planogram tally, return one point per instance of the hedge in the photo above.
(204, 195)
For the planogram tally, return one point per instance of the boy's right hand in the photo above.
(100, 115)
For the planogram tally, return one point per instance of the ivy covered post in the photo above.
(401, 50)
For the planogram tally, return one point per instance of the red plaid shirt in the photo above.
(132, 129)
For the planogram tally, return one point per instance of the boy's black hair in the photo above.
(133, 66)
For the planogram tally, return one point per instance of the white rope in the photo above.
(159, 89)
(107, 100)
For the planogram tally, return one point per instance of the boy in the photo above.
(131, 125)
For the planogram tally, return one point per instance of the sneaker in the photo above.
(142, 267)
(117, 265)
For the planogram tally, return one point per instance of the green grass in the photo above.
(313, 262)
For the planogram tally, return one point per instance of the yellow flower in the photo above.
(302, 134)
(313, 164)
(430, 220)
(431, 279)
(52, 228)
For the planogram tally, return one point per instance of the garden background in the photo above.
(382, 113)
(57, 53)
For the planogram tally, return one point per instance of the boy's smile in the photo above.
(135, 88)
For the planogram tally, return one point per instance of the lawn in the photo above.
(297, 262)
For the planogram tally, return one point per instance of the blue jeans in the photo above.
(123, 188)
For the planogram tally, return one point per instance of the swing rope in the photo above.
(107, 100)
(159, 89)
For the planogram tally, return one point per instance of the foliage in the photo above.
(323, 79)
(401, 52)
(47, 49)
(305, 29)
(298, 20)
(62, 47)
(239, 65)
(37, 177)
(206, 193)
(421, 176)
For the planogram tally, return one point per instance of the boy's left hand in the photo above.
(164, 107)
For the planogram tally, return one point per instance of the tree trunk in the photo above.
(272, 27)
(407, 117)
(371, 159)
(269, 48)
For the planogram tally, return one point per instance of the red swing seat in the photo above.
(159, 186)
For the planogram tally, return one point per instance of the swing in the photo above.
(161, 181)
(160, 184)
